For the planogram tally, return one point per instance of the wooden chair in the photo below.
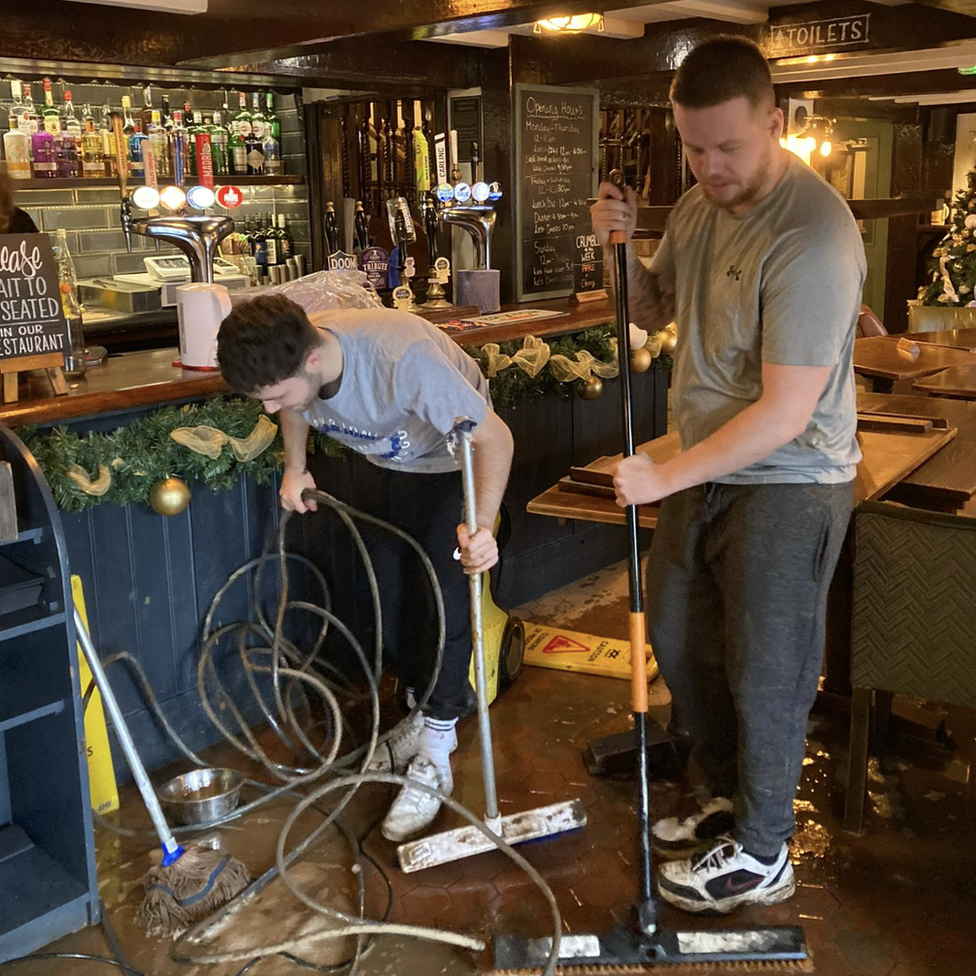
(868, 324)
(914, 620)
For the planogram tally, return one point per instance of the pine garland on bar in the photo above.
(142, 453)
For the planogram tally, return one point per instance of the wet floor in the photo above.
(898, 900)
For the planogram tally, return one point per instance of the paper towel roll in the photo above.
(479, 288)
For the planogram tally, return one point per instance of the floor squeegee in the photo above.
(514, 828)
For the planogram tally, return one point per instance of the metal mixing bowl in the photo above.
(202, 795)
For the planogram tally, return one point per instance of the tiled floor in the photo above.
(898, 901)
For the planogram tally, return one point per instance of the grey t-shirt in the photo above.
(780, 283)
(404, 383)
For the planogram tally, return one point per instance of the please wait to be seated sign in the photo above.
(31, 319)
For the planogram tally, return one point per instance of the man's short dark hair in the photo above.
(263, 342)
(720, 69)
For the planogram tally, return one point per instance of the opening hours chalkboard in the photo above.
(556, 142)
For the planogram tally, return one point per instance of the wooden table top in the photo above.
(879, 356)
(954, 338)
(950, 475)
(957, 381)
(146, 378)
(888, 459)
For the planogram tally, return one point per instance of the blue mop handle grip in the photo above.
(171, 849)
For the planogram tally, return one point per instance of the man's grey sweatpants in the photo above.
(736, 600)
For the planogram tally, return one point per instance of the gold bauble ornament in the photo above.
(169, 496)
(592, 389)
(669, 340)
(640, 360)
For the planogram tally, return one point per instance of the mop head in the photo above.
(190, 889)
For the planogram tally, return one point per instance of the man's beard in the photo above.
(749, 192)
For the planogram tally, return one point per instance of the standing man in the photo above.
(389, 386)
(761, 267)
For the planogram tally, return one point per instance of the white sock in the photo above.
(411, 697)
(436, 740)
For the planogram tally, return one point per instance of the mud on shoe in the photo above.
(720, 879)
(414, 809)
(679, 837)
(393, 755)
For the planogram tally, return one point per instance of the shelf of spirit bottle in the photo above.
(286, 179)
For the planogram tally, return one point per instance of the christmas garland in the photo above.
(125, 464)
(511, 386)
(136, 457)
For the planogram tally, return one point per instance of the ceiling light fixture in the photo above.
(569, 25)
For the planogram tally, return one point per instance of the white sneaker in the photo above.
(681, 837)
(394, 754)
(725, 877)
(413, 809)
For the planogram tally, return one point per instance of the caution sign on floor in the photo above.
(567, 650)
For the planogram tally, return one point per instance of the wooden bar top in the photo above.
(141, 379)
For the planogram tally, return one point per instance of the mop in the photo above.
(645, 944)
(191, 882)
(514, 828)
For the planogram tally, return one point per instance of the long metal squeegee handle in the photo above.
(645, 906)
(463, 449)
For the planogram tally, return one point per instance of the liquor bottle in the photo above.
(243, 118)
(18, 110)
(16, 149)
(166, 119)
(45, 154)
(146, 115)
(50, 116)
(135, 136)
(69, 120)
(33, 119)
(218, 144)
(159, 140)
(257, 116)
(249, 233)
(177, 141)
(271, 241)
(108, 142)
(193, 129)
(261, 250)
(92, 157)
(270, 119)
(331, 229)
(272, 154)
(255, 153)
(66, 150)
(75, 356)
(237, 150)
(286, 243)
(361, 227)
(128, 131)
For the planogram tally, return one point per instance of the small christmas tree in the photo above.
(953, 264)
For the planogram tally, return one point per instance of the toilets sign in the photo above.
(31, 319)
(813, 36)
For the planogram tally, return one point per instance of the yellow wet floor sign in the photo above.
(101, 775)
(568, 650)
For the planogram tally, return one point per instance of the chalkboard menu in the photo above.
(556, 140)
(31, 319)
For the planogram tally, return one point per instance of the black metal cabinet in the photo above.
(47, 860)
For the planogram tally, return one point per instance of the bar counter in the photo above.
(150, 377)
